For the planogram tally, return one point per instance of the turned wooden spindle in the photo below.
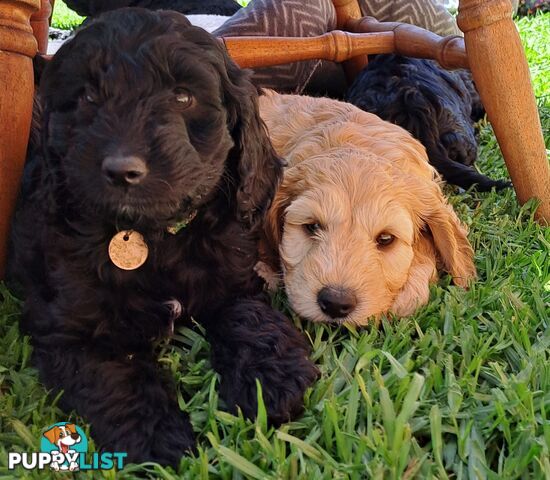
(413, 41)
(17, 47)
(337, 46)
(501, 74)
(346, 11)
(40, 23)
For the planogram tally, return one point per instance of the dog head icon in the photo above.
(63, 436)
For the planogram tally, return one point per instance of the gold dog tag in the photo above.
(128, 250)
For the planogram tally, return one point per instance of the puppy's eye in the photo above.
(384, 239)
(183, 97)
(89, 98)
(312, 228)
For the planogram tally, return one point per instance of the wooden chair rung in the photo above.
(369, 37)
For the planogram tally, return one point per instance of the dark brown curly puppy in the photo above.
(438, 107)
(147, 123)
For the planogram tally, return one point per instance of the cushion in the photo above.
(286, 18)
(429, 14)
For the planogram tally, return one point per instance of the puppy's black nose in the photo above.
(336, 302)
(124, 170)
(75, 436)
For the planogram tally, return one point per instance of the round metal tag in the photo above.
(128, 250)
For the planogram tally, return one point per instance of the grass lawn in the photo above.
(63, 17)
(459, 390)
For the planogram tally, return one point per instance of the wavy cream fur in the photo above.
(357, 176)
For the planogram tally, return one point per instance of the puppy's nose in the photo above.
(124, 170)
(75, 436)
(336, 302)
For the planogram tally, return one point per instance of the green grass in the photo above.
(459, 390)
(535, 32)
(63, 17)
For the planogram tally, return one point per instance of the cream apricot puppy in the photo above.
(359, 225)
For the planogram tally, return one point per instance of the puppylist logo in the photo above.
(64, 448)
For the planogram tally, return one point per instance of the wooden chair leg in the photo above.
(346, 11)
(40, 23)
(501, 75)
(17, 47)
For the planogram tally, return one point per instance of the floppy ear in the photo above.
(57, 95)
(449, 237)
(422, 272)
(52, 434)
(255, 164)
(43, 180)
(294, 183)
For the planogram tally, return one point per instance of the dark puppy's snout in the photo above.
(75, 436)
(336, 302)
(124, 170)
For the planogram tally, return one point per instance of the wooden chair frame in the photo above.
(491, 48)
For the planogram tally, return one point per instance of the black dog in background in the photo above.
(147, 123)
(91, 8)
(437, 106)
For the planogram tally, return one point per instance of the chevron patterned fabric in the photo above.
(306, 18)
(428, 14)
(285, 18)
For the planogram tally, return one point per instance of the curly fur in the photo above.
(92, 8)
(437, 106)
(356, 177)
(111, 90)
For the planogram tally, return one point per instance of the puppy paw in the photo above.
(172, 439)
(129, 404)
(502, 184)
(161, 439)
(257, 342)
(488, 184)
(283, 390)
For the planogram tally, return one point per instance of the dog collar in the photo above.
(128, 250)
(174, 229)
